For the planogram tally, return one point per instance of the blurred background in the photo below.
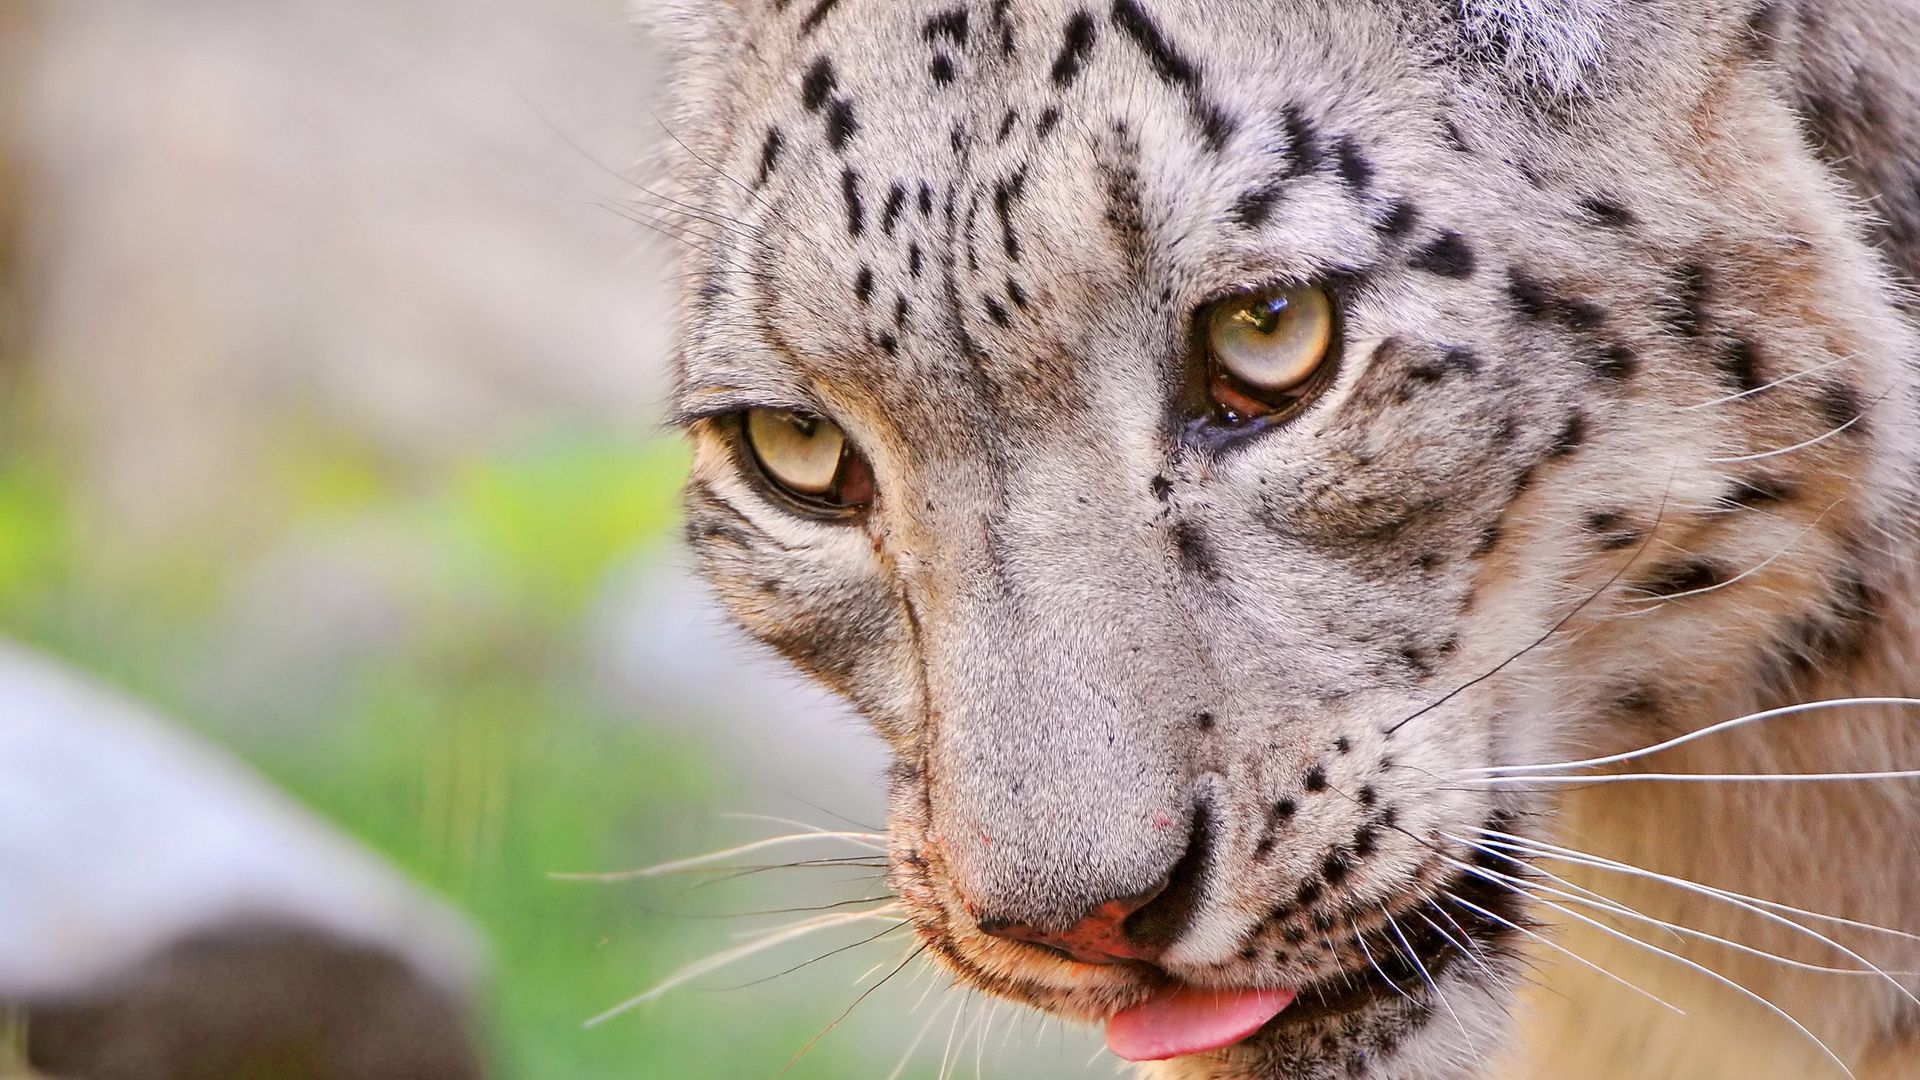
(330, 369)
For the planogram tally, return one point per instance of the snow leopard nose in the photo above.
(1139, 927)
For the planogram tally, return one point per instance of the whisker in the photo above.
(1693, 736)
(1655, 603)
(1556, 627)
(1557, 947)
(777, 936)
(1815, 441)
(1695, 778)
(1677, 958)
(1702, 935)
(1782, 381)
(1361, 940)
(864, 995)
(901, 1067)
(1471, 953)
(1567, 854)
(1425, 975)
(1736, 900)
(809, 963)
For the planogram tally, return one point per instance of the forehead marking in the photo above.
(1174, 69)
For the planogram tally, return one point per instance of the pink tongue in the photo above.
(1184, 1020)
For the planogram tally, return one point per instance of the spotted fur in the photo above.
(1620, 444)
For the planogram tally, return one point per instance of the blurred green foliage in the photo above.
(473, 752)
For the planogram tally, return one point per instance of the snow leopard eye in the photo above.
(807, 459)
(1264, 348)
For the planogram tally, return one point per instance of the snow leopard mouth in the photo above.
(1408, 955)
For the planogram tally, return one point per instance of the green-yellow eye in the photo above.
(808, 458)
(1268, 345)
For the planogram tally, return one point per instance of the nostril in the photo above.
(1138, 927)
(1160, 922)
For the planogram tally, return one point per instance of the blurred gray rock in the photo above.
(166, 915)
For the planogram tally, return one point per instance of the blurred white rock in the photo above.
(135, 860)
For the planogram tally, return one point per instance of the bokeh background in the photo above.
(330, 368)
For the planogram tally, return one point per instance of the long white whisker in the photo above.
(954, 1029)
(1655, 603)
(1736, 901)
(915, 1044)
(879, 839)
(1677, 958)
(1692, 736)
(1427, 976)
(1702, 935)
(774, 937)
(1815, 441)
(1567, 854)
(1361, 940)
(1562, 949)
(1466, 947)
(698, 861)
(1696, 778)
(1781, 381)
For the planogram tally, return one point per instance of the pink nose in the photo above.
(1098, 938)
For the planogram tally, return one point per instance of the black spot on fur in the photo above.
(1758, 490)
(1489, 539)
(1049, 119)
(816, 16)
(1604, 210)
(1739, 361)
(940, 68)
(1075, 45)
(1610, 527)
(1336, 866)
(841, 125)
(1005, 193)
(951, 23)
(926, 199)
(1353, 166)
(856, 208)
(1456, 141)
(1161, 487)
(1448, 255)
(1840, 407)
(1614, 361)
(769, 156)
(913, 259)
(901, 310)
(1016, 294)
(1343, 745)
(1536, 300)
(1400, 219)
(887, 342)
(1252, 208)
(995, 312)
(863, 284)
(1685, 576)
(890, 213)
(1570, 436)
(1203, 720)
(1316, 779)
(1303, 142)
(818, 84)
(1308, 894)
(1690, 298)
(1196, 555)
(1006, 125)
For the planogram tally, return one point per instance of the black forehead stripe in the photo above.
(1174, 69)
(1076, 44)
(819, 13)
